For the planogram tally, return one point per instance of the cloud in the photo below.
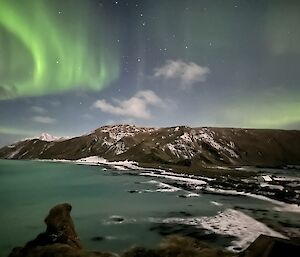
(38, 109)
(43, 119)
(55, 103)
(87, 116)
(16, 131)
(187, 73)
(134, 107)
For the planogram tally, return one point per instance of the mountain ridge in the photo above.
(48, 137)
(179, 146)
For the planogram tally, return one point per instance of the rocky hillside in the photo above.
(184, 146)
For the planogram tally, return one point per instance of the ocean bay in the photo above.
(112, 209)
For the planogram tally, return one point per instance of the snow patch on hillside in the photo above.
(207, 136)
(117, 132)
(120, 165)
(190, 143)
(14, 153)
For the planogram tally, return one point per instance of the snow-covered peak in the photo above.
(47, 137)
(116, 132)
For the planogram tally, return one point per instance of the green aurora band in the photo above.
(50, 46)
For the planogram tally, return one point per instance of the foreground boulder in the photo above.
(267, 246)
(60, 228)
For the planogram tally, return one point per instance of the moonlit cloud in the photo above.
(16, 131)
(55, 103)
(187, 73)
(43, 119)
(87, 116)
(38, 109)
(135, 107)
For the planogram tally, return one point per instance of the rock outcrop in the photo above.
(60, 228)
(266, 246)
(59, 239)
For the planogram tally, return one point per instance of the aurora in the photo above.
(54, 46)
(70, 66)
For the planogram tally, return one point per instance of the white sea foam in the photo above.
(163, 172)
(229, 222)
(288, 208)
(190, 181)
(119, 167)
(116, 219)
(281, 205)
(162, 187)
(192, 195)
(279, 187)
(216, 203)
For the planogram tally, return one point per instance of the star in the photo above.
(138, 59)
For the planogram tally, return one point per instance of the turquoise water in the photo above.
(28, 189)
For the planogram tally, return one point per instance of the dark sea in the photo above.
(113, 210)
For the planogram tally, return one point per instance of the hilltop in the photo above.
(184, 147)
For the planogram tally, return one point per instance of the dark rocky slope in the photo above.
(183, 146)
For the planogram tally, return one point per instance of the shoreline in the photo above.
(194, 186)
(193, 182)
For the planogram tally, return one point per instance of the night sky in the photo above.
(68, 67)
